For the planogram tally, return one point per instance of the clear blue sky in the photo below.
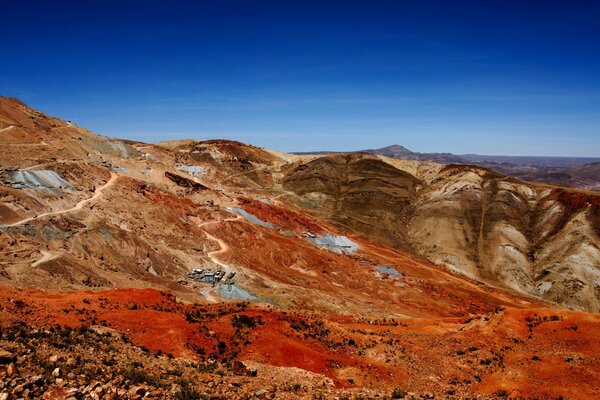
(488, 77)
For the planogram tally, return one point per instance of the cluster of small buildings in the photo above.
(202, 275)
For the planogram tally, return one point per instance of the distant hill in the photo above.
(580, 172)
(397, 151)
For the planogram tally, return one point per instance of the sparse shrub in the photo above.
(138, 376)
(399, 394)
(186, 392)
(244, 321)
(222, 347)
(292, 388)
(19, 304)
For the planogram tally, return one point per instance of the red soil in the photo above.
(285, 218)
(573, 199)
(542, 353)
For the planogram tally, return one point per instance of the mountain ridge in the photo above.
(579, 172)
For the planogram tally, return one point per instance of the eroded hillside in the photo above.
(329, 261)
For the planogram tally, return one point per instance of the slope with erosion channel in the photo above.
(339, 318)
(358, 192)
(145, 229)
(524, 236)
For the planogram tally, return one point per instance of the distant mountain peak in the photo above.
(398, 151)
(393, 151)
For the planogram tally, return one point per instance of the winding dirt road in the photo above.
(223, 248)
(78, 206)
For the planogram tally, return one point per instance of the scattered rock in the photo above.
(11, 370)
(7, 357)
(37, 380)
(240, 369)
(137, 392)
(261, 394)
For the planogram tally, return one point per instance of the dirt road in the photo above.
(78, 206)
(223, 248)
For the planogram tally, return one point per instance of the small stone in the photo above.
(19, 389)
(56, 373)
(11, 370)
(37, 380)
(261, 394)
(6, 357)
(53, 359)
(137, 391)
(240, 369)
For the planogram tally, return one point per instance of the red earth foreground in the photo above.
(540, 353)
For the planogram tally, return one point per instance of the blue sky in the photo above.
(488, 77)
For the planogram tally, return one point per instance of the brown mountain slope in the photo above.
(358, 192)
(535, 239)
(136, 215)
(468, 219)
(330, 250)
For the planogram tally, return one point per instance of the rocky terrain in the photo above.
(337, 275)
(146, 344)
(536, 239)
